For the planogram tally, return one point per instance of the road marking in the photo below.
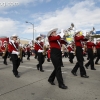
(36, 69)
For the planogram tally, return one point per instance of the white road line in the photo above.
(36, 68)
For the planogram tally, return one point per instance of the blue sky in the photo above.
(47, 14)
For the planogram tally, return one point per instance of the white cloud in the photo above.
(9, 27)
(84, 15)
(12, 3)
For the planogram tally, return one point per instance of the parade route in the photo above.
(33, 84)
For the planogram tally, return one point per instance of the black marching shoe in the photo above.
(96, 63)
(93, 69)
(62, 65)
(74, 73)
(17, 76)
(84, 76)
(48, 60)
(63, 86)
(52, 83)
(41, 70)
(37, 67)
(5, 63)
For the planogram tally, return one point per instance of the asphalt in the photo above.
(33, 84)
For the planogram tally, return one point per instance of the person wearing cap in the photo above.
(90, 46)
(79, 55)
(13, 49)
(98, 51)
(56, 57)
(5, 52)
(39, 47)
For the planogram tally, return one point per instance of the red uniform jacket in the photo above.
(55, 42)
(70, 49)
(90, 45)
(78, 40)
(28, 49)
(97, 45)
(3, 48)
(12, 47)
(39, 46)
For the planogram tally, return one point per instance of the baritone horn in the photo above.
(90, 33)
(67, 31)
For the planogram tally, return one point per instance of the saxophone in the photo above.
(44, 48)
(19, 49)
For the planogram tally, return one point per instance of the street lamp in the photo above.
(33, 28)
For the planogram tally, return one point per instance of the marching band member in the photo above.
(71, 52)
(79, 55)
(13, 49)
(28, 51)
(98, 51)
(56, 58)
(4, 49)
(90, 46)
(39, 48)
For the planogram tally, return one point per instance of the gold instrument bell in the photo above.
(81, 33)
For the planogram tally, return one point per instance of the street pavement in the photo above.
(33, 84)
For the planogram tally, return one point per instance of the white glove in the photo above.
(61, 34)
(42, 40)
(72, 51)
(40, 50)
(15, 52)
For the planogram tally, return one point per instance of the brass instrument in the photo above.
(19, 49)
(90, 33)
(44, 48)
(66, 32)
(5, 51)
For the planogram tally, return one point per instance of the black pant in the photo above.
(40, 60)
(98, 55)
(16, 63)
(91, 58)
(71, 57)
(28, 55)
(56, 58)
(36, 54)
(65, 54)
(5, 57)
(79, 64)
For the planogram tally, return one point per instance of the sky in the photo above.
(46, 15)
